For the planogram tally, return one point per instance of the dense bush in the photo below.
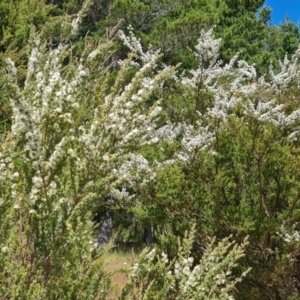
(215, 146)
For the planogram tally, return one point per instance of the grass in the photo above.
(117, 263)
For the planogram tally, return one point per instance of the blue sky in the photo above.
(283, 7)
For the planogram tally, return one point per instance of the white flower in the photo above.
(75, 25)
(186, 270)
(150, 256)
(37, 181)
(177, 270)
(71, 152)
(39, 75)
(55, 78)
(11, 67)
(84, 72)
(105, 157)
(93, 54)
(134, 270)
(4, 249)
(164, 257)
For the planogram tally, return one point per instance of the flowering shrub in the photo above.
(239, 161)
(218, 143)
(236, 169)
(154, 276)
(70, 132)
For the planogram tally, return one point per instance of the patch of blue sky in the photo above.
(284, 8)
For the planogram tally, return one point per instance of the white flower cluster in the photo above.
(68, 142)
(209, 68)
(77, 21)
(292, 236)
(10, 67)
(135, 270)
(6, 167)
(289, 72)
(47, 122)
(135, 168)
(194, 140)
(233, 86)
(121, 120)
(122, 195)
(134, 44)
(211, 278)
(168, 132)
(207, 49)
(150, 256)
(51, 97)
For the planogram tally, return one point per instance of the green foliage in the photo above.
(16, 17)
(167, 25)
(283, 39)
(252, 185)
(246, 29)
(174, 26)
(242, 32)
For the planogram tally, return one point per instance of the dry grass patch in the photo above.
(117, 263)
